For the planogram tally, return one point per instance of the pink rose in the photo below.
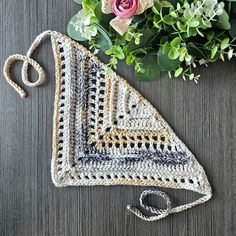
(125, 8)
(125, 11)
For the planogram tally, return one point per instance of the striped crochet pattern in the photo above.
(106, 133)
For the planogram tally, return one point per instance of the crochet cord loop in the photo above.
(35, 65)
(158, 213)
(162, 213)
(27, 60)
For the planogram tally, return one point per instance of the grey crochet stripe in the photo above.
(106, 133)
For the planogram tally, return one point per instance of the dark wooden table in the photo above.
(202, 115)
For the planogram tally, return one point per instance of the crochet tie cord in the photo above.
(106, 133)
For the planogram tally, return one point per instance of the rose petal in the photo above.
(107, 6)
(121, 25)
(126, 12)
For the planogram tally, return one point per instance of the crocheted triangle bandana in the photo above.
(106, 133)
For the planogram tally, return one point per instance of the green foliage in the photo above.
(223, 21)
(116, 52)
(144, 37)
(165, 63)
(148, 73)
(73, 31)
(173, 36)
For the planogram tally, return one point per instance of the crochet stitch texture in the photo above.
(106, 133)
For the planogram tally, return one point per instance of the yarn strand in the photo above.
(27, 60)
(161, 213)
(158, 213)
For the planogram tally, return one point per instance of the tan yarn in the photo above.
(106, 133)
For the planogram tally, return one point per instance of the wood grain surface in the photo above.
(202, 115)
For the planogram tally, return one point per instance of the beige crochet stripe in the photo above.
(98, 181)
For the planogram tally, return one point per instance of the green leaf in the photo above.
(151, 67)
(206, 24)
(109, 71)
(168, 20)
(105, 35)
(129, 60)
(178, 71)
(182, 53)
(166, 4)
(173, 14)
(155, 9)
(188, 12)
(200, 33)
(72, 32)
(214, 51)
(147, 35)
(109, 51)
(113, 61)
(165, 63)
(176, 42)
(78, 1)
(89, 5)
(102, 42)
(173, 53)
(157, 25)
(181, 27)
(90, 31)
(120, 55)
(193, 23)
(98, 11)
(117, 51)
(223, 21)
(224, 43)
(166, 48)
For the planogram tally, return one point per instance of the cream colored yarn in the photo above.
(106, 133)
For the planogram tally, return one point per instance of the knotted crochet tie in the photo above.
(140, 157)
(24, 72)
(157, 213)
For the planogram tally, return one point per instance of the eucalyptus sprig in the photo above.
(173, 36)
